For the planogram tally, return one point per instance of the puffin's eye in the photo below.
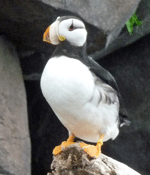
(71, 27)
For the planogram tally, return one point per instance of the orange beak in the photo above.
(46, 35)
(51, 34)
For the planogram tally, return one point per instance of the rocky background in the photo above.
(23, 56)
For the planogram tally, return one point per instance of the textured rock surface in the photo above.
(124, 38)
(17, 15)
(74, 161)
(14, 135)
(103, 14)
(109, 16)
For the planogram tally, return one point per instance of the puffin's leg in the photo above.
(91, 150)
(64, 144)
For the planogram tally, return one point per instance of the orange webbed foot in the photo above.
(59, 149)
(91, 150)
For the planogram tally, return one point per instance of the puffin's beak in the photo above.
(51, 34)
(46, 36)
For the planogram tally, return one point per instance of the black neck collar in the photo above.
(64, 48)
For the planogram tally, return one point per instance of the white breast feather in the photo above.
(81, 101)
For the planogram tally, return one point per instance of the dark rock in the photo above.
(124, 38)
(131, 68)
(14, 134)
(108, 16)
(24, 22)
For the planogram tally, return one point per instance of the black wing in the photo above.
(105, 75)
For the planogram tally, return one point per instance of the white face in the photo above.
(74, 31)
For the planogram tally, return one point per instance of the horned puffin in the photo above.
(83, 95)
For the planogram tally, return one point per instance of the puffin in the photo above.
(84, 96)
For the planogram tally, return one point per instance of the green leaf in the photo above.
(132, 22)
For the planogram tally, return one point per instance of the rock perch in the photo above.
(74, 161)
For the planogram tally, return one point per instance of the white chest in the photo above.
(66, 80)
(77, 100)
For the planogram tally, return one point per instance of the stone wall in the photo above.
(14, 133)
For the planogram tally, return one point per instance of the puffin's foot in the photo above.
(58, 149)
(91, 150)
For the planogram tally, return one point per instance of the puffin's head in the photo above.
(67, 28)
